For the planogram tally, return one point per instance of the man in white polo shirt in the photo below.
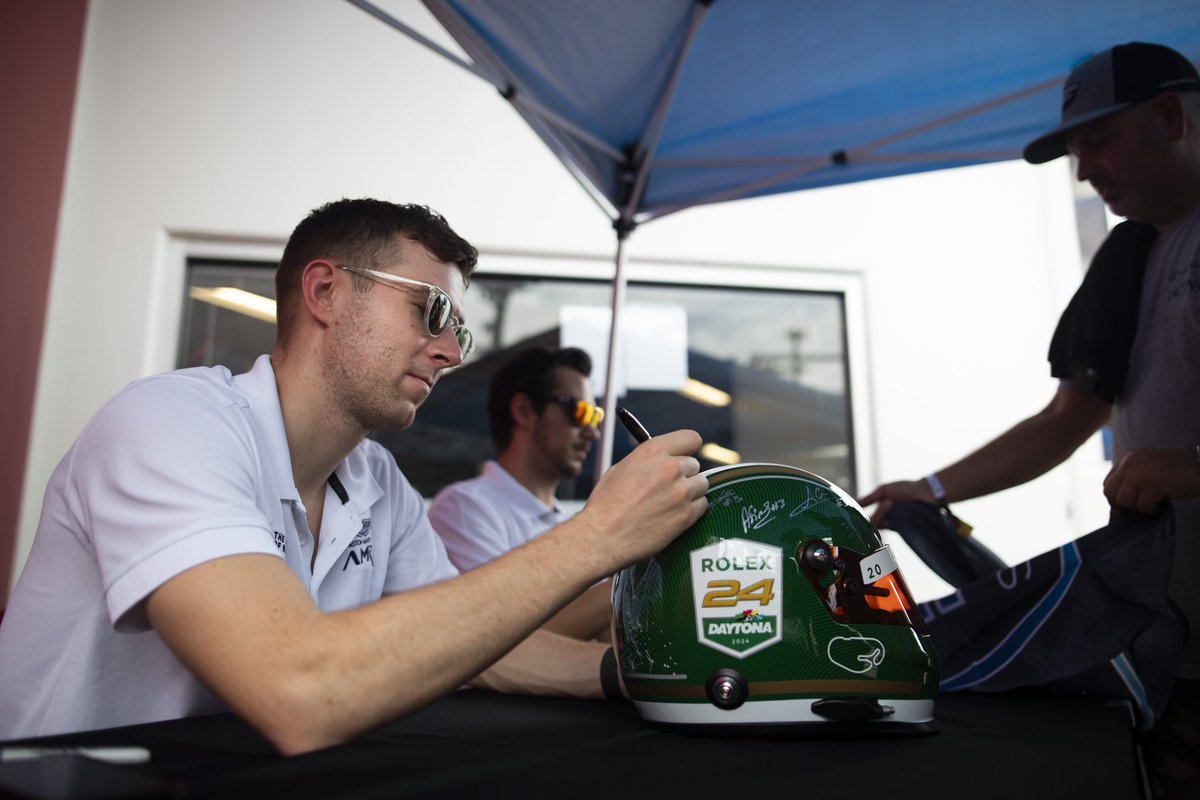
(543, 420)
(215, 541)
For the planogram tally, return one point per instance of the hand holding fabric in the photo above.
(889, 494)
(1144, 478)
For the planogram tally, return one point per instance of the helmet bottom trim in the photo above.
(786, 717)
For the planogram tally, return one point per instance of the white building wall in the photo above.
(235, 118)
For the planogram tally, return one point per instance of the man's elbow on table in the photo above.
(247, 629)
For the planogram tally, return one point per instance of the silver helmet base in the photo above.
(789, 717)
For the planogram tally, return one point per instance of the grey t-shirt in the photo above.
(1160, 404)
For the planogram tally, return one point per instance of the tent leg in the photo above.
(604, 460)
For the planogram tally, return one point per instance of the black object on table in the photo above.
(480, 744)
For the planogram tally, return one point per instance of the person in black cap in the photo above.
(1125, 349)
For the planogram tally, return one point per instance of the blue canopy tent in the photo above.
(656, 106)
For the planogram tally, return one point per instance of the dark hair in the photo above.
(363, 232)
(530, 372)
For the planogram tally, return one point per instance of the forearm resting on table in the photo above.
(547, 664)
(247, 628)
(586, 617)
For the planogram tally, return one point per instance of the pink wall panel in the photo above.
(40, 48)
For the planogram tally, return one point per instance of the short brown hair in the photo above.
(362, 232)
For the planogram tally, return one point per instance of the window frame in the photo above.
(688, 272)
(165, 318)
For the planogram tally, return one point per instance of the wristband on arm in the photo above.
(960, 527)
(935, 485)
(610, 681)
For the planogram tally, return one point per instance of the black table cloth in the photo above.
(480, 744)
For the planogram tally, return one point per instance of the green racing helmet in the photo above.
(779, 610)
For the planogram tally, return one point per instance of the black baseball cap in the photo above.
(1110, 81)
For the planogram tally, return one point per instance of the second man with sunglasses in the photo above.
(544, 422)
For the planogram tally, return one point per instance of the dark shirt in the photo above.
(1095, 333)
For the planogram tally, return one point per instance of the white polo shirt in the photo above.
(176, 470)
(483, 518)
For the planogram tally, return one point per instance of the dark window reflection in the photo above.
(213, 331)
(779, 355)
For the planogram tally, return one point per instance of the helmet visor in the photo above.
(861, 589)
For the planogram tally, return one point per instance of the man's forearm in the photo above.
(1015, 457)
(248, 628)
(547, 664)
(1029, 449)
(307, 680)
(587, 616)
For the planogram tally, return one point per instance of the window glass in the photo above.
(777, 356)
(227, 327)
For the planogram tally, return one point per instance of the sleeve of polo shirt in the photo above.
(165, 478)
(470, 527)
(416, 555)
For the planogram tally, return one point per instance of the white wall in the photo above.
(235, 119)
(966, 273)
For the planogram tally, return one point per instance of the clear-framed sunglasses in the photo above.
(582, 413)
(439, 308)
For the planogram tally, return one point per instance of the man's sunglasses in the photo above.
(583, 414)
(439, 308)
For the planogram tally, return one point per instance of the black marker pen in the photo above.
(635, 428)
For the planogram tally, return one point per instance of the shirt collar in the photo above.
(260, 390)
(524, 500)
(258, 387)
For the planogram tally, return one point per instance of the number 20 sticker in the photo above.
(878, 565)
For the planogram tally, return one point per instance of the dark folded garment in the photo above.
(1091, 616)
(1092, 341)
(933, 534)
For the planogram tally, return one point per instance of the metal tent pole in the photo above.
(604, 459)
(638, 170)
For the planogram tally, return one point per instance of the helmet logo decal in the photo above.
(737, 589)
(857, 654)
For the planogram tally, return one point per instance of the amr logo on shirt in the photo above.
(359, 551)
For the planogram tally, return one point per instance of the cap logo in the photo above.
(1070, 90)
(1172, 82)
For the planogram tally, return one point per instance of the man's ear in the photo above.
(316, 290)
(522, 411)
(1170, 110)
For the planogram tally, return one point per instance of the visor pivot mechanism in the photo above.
(817, 556)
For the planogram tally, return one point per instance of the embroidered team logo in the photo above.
(1184, 281)
(359, 551)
